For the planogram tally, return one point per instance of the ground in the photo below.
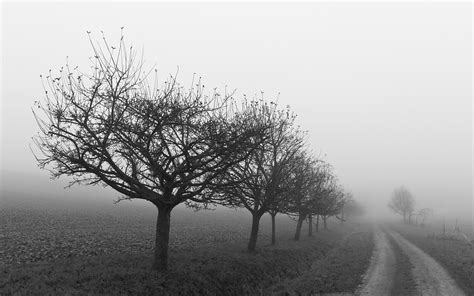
(339, 271)
(60, 250)
(403, 282)
(399, 267)
(456, 256)
(66, 251)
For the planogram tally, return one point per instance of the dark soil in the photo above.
(210, 270)
(72, 252)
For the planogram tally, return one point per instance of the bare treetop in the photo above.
(116, 128)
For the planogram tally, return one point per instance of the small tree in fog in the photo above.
(332, 204)
(164, 145)
(352, 208)
(423, 214)
(325, 200)
(308, 180)
(402, 203)
(258, 182)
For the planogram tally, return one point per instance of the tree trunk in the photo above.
(298, 227)
(317, 223)
(310, 225)
(162, 238)
(325, 219)
(405, 217)
(254, 232)
(273, 229)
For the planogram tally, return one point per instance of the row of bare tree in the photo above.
(171, 145)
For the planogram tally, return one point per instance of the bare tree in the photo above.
(352, 208)
(423, 214)
(278, 206)
(402, 203)
(259, 179)
(279, 202)
(304, 177)
(164, 145)
(309, 185)
(331, 203)
(347, 200)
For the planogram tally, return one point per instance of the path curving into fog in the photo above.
(430, 277)
(378, 279)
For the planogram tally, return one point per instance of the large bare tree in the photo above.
(162, 144)
(402, 203)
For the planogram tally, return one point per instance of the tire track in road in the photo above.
(403, 282)
(378, 279)
(430, 277)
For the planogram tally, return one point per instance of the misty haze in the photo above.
(242, 148)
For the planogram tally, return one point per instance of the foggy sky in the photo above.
(383, 89)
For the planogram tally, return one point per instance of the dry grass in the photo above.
(340, 271)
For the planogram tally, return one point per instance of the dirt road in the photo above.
(429, 276)
(379, 276)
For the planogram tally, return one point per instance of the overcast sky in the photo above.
(384, 89)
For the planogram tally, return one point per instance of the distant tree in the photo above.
(402, 203)
(352, 208)
(164, 145)
(259, 180)
(423, 214)
(304, 177)
(321, 191)
(309, 184)
(331, 203)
